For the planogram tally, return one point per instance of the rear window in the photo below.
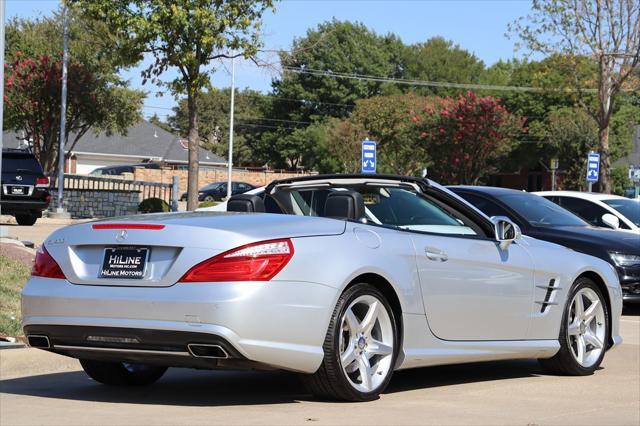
(20, 164)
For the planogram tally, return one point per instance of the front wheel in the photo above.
(360, 348)
(583, 333)
(122, 373)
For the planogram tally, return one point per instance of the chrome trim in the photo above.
(226, 355)
(29, 190)
(549, 287)
(41, 337)
(137, 351)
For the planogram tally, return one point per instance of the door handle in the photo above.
(436, 254)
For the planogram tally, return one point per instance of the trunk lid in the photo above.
(171, 243)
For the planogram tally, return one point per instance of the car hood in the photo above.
(608, 239)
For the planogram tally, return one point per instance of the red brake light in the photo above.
(42, 181)
(45, 265)
(147, 226)
(252, 262)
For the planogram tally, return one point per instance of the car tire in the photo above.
(343, 380)
(121, 373)
(209, 198)
(26, 219)
(584, 332)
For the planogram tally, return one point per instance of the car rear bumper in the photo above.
(277, 324)
(23, 206)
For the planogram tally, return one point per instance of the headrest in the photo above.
(344, 205)
(248, 203)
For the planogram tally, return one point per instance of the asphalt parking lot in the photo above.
(37, 387)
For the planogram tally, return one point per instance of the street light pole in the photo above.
(231, 109)
(60, 211)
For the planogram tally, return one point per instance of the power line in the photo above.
(426, 83)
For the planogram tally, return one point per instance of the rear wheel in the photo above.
(26, 219)
(122, 373)
(209, 198)
(360, 348)
(583, 333)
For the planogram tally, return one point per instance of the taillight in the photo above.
(42, 181)
(45, 266)
(252, 262)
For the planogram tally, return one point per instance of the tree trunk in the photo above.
(605, 160)
(604, 116)
(192, 179)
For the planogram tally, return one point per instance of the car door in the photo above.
(472, 288)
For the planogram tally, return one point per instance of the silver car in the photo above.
(341, 278)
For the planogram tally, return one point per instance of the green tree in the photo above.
(339, 150)
(292, 148)
(97, 98)
(607, 32)
(388, 121)
(338, 47)
(439, 59)
(213, 109)
(156, 120)
(186, 35)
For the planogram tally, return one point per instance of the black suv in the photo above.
(25, 188)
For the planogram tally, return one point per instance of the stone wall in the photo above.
(89, 203)
(208, 176)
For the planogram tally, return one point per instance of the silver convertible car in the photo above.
(341, 278)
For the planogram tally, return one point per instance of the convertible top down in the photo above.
(341, 278)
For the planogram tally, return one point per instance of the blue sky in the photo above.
(477, 25)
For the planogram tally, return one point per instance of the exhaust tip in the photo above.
(37, 341)
(202, 350)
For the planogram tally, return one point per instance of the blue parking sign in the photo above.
(593, 167)
(368, 156)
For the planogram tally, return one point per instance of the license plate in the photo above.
(128, 263)
(17, 190)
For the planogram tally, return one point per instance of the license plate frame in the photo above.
(120, 263)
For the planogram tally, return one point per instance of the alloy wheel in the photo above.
(586, 327)
(366, 343)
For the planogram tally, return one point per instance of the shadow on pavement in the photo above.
(632, 309)
(447, 375)
(219, 388)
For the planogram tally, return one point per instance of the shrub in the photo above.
(153, 205)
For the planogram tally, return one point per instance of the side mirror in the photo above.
(611, 220)
(506, 231)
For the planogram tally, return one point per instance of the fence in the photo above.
(144, 188)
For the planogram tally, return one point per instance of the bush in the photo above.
(153, 205)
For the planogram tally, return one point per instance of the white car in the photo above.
(602, 210)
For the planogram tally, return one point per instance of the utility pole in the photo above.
(231, 109)
(60, 211)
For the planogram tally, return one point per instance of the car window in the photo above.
(629, 208)
(21, 164)
(389, 206)
(485, 206)
(587, 210)
(539, 211)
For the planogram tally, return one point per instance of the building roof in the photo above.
(144, 140)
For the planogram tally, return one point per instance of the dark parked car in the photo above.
(25, 188)
(125, 168)
(217, 191)
(542, 219)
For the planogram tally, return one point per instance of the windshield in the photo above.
(384, 205)
(539, 211)
(629, 208)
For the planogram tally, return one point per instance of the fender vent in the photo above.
(547, 297)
